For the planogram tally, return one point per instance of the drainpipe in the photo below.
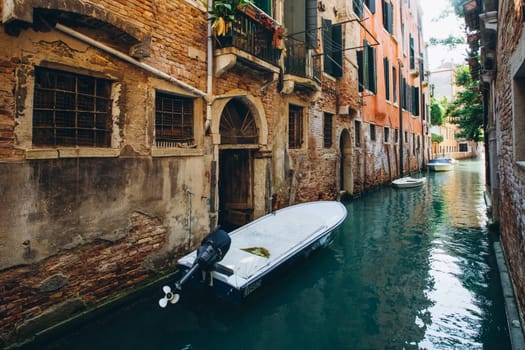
(213, 215)
(401, 134)
(209, 83)
(128, 59)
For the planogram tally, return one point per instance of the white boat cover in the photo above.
(281, 233)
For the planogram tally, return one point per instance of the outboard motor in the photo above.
(213, 248)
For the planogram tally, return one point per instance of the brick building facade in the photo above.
(128, 131)
(496, 30)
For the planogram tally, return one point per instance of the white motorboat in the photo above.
(409, 182)
(236, 264)
(440, 164)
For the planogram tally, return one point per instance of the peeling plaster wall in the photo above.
(80, 225)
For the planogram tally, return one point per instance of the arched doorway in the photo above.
(346, 176)
(236, 165)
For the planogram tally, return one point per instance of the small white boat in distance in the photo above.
(440, 164)
(236, 264)
(409, 182)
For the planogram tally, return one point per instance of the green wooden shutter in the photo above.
(372, 72)
(360, 69)
(386, 69)
(358, 8)
(327, 46)
(371, 4)
(337, 54)
(311, 24)
(265, 5)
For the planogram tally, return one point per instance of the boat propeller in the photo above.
(212, 250)
(169, 296)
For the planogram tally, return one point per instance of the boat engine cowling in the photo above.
(213, 248)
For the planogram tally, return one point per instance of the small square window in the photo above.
(357, 133)
(295, 127)
(71, 109)
(173, 120)
(327, 130)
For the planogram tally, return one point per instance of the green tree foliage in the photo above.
(451, 41)
(437, 115)
(458, 7)
(466, 110)
(436, 138)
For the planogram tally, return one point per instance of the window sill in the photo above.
(176, 152)
(55, 153)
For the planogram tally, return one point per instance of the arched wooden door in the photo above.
(236, 152)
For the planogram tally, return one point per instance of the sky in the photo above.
(433, 27)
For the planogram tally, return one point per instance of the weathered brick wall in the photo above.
(512, 186)
(74, 231)
(7, 103)
(78, 278)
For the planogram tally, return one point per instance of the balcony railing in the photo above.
(298, 61)
(252, 37)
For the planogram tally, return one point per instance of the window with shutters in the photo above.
(333, 48)
(415, 100)
(394, 84)
(71, 109)
(366, 60)
(327, 130)
(295, 127)
(386, 70)
(388, 16)
(173, 120)
(412, 52)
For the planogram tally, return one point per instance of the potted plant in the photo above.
(222, 15)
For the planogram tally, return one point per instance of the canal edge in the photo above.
(517, 339)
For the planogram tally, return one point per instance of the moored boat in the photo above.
(257, 249)
(409, 182)
(440, 164)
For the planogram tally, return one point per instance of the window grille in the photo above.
(173, 120)
(357, 132)
(295, 127)
(327, 130)
(71, 109)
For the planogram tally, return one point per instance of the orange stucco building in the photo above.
(392, 81)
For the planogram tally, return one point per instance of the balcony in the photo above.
(302, 69)
(249, 40)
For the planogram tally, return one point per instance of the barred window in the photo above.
(295, 127)
(357, 133)
(173, 120)
(327, 130)
(71, 109)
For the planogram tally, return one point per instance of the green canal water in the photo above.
(408, 269)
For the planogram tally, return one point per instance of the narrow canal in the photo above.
(409, 269)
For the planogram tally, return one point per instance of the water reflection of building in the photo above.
(443, 86)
